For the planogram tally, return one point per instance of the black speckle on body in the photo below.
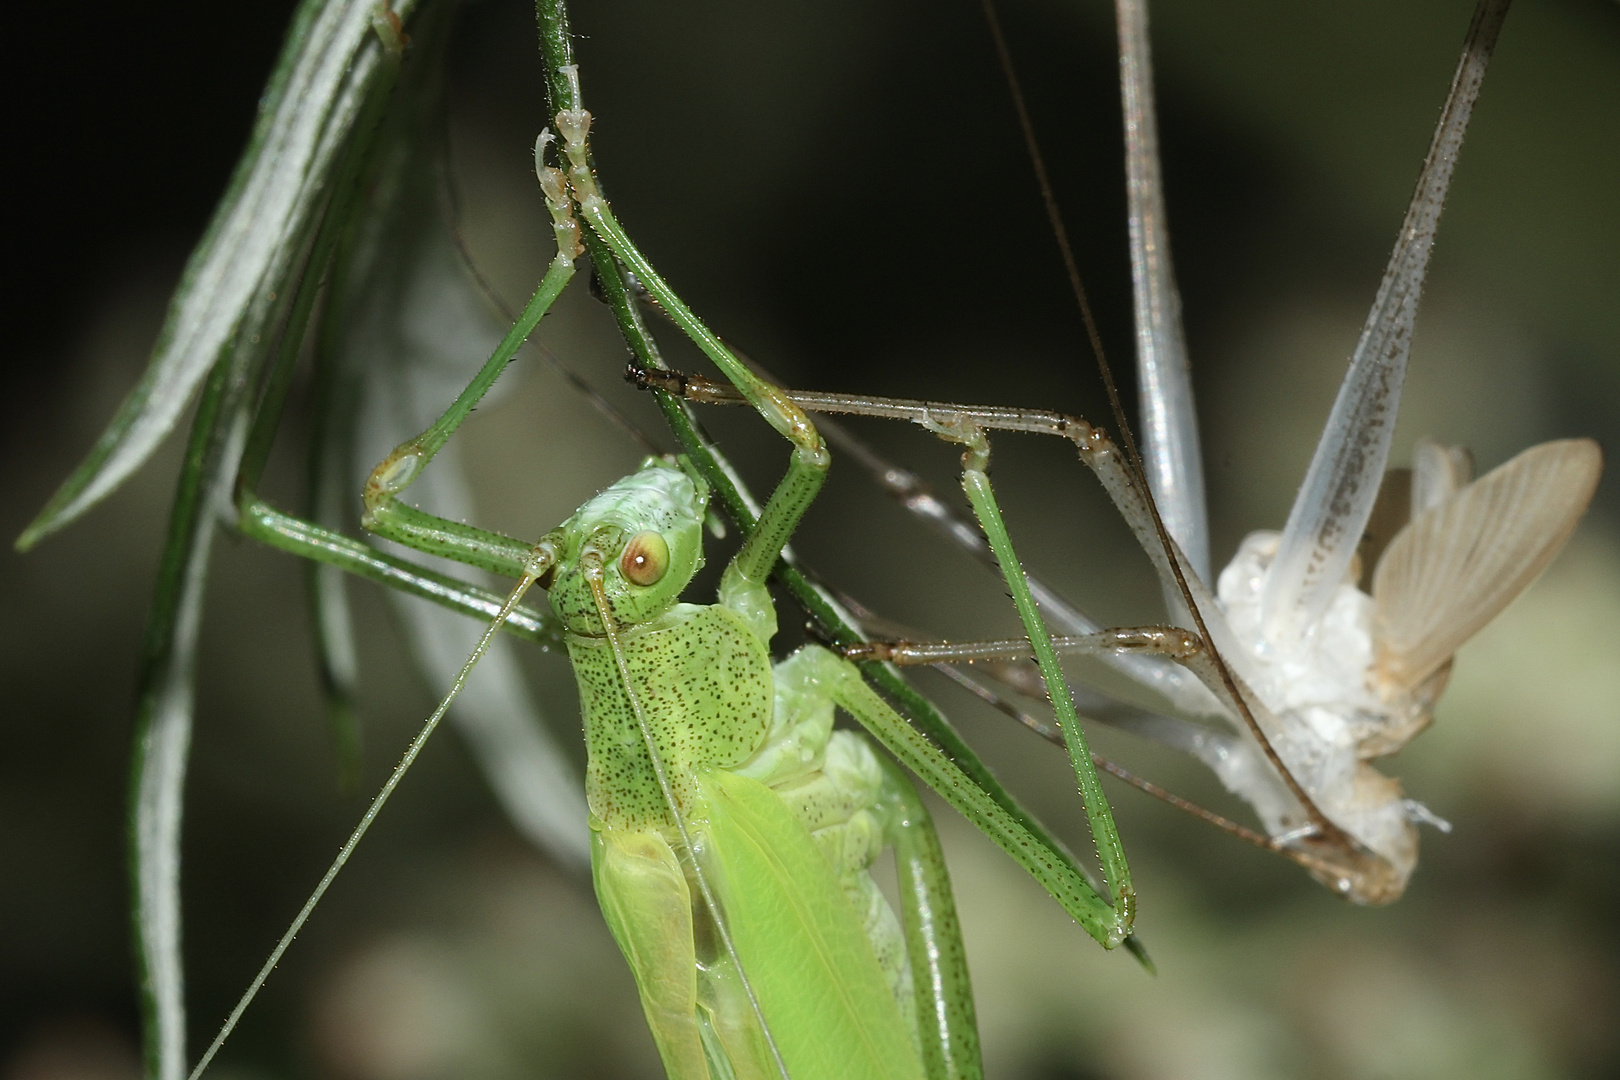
(704, 683)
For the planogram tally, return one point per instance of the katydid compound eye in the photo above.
(645, 558)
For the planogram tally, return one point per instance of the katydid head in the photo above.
(643, 535)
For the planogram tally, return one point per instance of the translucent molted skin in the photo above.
(1330, 719)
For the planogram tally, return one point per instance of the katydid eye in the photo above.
(645, 558)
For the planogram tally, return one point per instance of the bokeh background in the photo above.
(838, 188)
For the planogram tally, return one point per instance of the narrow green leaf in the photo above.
(251, 247)
(163, 715)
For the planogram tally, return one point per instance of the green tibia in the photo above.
(843, 683)
(386, 515)
(947, 1020)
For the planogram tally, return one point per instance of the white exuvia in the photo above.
(1332, 675)
(1363, 678)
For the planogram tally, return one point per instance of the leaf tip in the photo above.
(48, 521)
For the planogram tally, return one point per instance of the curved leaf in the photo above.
(250, 248)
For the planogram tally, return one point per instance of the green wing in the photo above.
(826, 1001)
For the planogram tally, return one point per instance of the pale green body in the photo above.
(785, 815)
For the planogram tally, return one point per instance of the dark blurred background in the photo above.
(838, 188)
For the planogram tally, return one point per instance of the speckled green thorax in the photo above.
(704, 683)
